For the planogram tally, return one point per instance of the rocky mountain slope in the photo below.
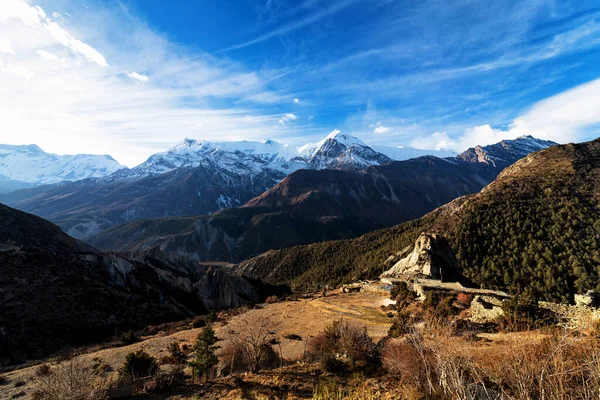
(193, 178)
(533, 230)
(316, 205)
(57, 291)
(22, 166)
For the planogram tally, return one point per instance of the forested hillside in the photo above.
(535, 229)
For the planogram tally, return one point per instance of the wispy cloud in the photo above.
(137, 77)
(312, 18)
(70, 96)
(287, 119)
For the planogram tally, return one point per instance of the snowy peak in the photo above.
(342, 151)
(506, 151)
(30, 164)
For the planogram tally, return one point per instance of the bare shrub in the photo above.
(401, 359)
(129, 337)
(72, 380)
(332, 391)
(464, 299)
(248, 339)
(42, 370)
(345, 341)
(554, 368)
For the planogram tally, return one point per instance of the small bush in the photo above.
(401, 359)
(129, 337)
(253, 337)
(176, 354)
(293, 336)
(464, 299)
(138, 365)
(43, 370)
(70, 381)
(272, 299)
(401, 325)
(402, 295)
(440, 305)
(522, 313)
(345, 341)
(199, 322)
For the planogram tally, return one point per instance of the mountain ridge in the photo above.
(532, 231)
(309, 206)
(30, 165)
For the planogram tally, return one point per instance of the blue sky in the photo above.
(135, 77)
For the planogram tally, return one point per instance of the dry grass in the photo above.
(432, 361)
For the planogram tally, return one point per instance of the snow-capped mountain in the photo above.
(506, 151)
(341, 151)
(336, 151)
(199, 178)
(29, 165)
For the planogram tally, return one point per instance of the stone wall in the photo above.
(486, 309)
(577, 316)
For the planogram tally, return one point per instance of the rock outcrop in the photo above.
(430, 257)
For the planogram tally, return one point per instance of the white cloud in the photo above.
(563, 118)
(6, 47)
(296, 101)
(35, 18)
(311, 117)
(137, 77)
(380, 129)
(77, 46)
(287, 118)
(47, 55)
(436, 141)
(59, 98)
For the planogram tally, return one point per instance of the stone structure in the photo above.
(574, 316)
(486, 308)
(430, 257)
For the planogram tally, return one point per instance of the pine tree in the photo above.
(204, 352)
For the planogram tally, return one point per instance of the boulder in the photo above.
(431, 257)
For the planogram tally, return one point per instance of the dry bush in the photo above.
(345, 341)
(72, 380)
(166, 379)
(555, 368)
(272, 299)
(248, 343)
(137, 365)
(401, 359)
(332, 391)
(42, 370)
(401, 324)
(431, 364)
(560, 367)
(464, 299)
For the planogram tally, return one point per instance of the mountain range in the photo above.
(28, 166)
(318, 205)
(193, 178)
(532, 231)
